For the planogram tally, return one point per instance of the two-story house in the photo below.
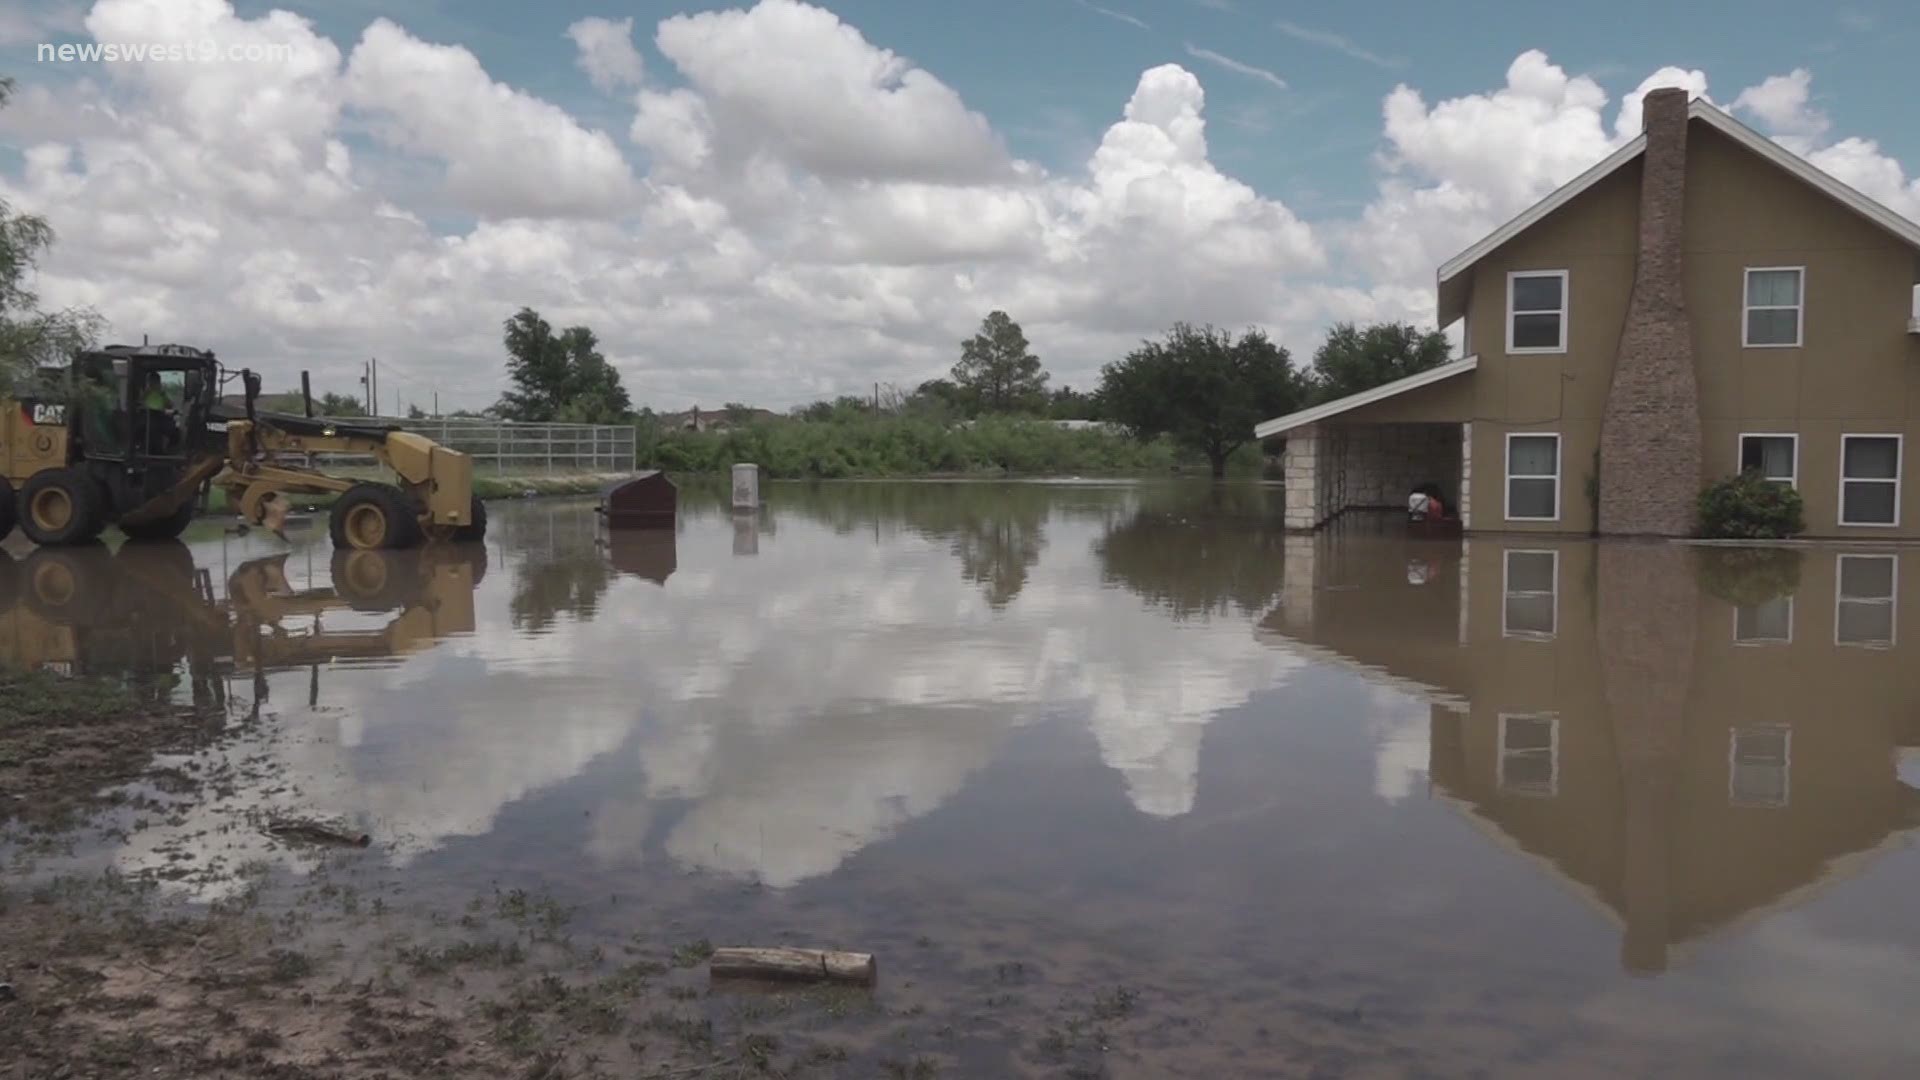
(1702, 301)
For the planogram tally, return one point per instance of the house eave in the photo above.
(1453, 271)
(1280, 425)
(1453, 276)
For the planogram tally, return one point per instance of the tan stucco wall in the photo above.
(1849, 709)
(1858, 371)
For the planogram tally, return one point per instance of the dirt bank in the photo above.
(340, 970)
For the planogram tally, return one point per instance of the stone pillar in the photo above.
(1303, 460)
(1650, 434)
(1297, 573)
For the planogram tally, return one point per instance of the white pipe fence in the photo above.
(514, 449)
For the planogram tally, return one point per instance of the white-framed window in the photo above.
(1774, 307)
(1531, 584)
(1774, 455)
(1870, 479)
(1533, 477)
(1769, 622)
(1537, 311)
(1529, 754)
(1760, 765)
(1865, 600)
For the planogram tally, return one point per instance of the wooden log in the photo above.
(808, 965)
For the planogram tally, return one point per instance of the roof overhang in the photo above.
(1280, 425)
(1453, 276)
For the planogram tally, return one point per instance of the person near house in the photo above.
(1425, 504)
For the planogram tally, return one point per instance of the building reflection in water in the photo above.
(1686, 736)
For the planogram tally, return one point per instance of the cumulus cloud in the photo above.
(791, 210)
(506, 153)
(793, 80)
(1457, 169)
(607, 54)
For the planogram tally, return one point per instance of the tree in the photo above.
(1202, 388)
(339, 405)
(1352, 359)
(30, 338)
(997, 371)
(415, 412)
(559, 376)
(938, 397)
(1067, 403)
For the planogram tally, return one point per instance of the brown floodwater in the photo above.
(1356, 803)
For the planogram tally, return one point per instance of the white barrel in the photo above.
(746, 487)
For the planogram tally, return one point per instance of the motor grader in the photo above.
(133, 436)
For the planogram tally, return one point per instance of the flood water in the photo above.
(1354, 803)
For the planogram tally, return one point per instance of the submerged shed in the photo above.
(646, 500)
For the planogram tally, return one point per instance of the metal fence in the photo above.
(511, 449)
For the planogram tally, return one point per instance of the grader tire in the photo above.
(475, 530)
(371, 517)
(61, 508)
(166, 528)
(70, 586)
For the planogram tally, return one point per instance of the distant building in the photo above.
(698, 419)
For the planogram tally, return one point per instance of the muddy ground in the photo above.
(104, 974)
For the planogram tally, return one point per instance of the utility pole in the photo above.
(436, 404)
(366, 382)
(373, 391)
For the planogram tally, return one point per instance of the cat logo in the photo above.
(50, 414)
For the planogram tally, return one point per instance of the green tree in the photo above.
(1202, 388)
(998, 372)
(1354, 359)
(338, 405)
(30, 338)
(559, 376)
(1067, 403)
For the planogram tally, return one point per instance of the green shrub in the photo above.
(1749, 576)
(1750, 507)
(843, 446)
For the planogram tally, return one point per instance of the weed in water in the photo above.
(425, 961)
(1115, 1003)
(287, 966)
(694, 1032)
(692, 953)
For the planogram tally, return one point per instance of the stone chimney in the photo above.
(1650, 436)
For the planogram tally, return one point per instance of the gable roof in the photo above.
(1452, 274)
(1280, 425)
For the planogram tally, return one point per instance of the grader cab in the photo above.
(133, 436)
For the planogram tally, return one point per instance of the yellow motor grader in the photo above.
(133, 435)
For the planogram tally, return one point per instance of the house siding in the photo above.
(1856, 372)
(1594, 238)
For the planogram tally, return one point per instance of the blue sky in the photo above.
(1051, 74)
(762, 209)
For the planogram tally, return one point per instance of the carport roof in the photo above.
(1280, 425)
